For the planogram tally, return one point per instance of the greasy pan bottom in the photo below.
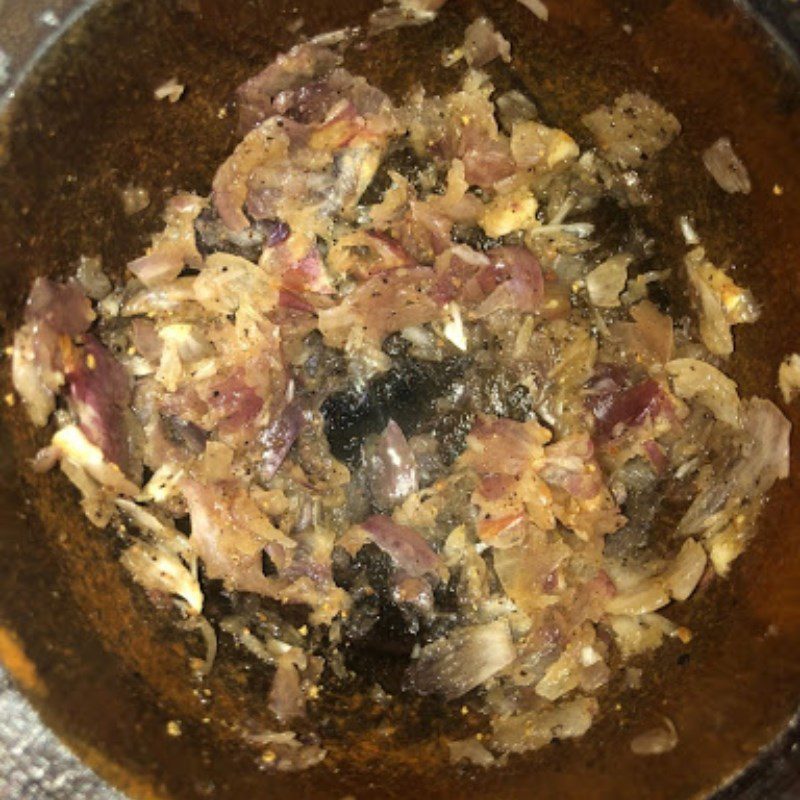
(106, 670)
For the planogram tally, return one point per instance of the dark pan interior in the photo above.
(105, 669)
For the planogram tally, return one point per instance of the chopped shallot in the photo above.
(463, 660)
(158, 570)
(91, 277)
(471, 750)
(482, 44)
(538, 8)
(633, 130)
(399, 13)
(170, 90)
(678, 581)
(789, 377)
(687, 230)
(656, 741)
(391, 468)
(533, 730)
(692, 378)
(405, 545)
(720, 302)
(607, 281)
(134, 199)
(726, 167)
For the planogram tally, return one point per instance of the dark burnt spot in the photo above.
(406, 393)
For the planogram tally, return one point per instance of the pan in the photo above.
(106, 672)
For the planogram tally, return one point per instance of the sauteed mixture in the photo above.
(397, 380)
